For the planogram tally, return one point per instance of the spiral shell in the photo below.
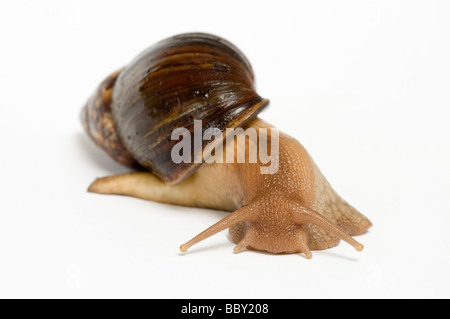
(184, 78)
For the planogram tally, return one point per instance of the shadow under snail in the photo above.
(200, 77)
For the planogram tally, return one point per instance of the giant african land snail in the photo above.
(135, 111)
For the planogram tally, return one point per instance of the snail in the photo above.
(197, 78)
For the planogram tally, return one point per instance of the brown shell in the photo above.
(188, 77)
(98, 122)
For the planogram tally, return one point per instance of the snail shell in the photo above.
(184, 78)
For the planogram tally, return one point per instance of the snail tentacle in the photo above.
(305, 215)
(303, 243)
(244, 214)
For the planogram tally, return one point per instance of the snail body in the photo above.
(189, 77)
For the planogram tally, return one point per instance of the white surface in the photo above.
(363, 85)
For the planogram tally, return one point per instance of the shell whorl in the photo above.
(98, 122)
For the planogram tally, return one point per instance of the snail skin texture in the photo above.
(201, 77)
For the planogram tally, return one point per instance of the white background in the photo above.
(363, 85)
